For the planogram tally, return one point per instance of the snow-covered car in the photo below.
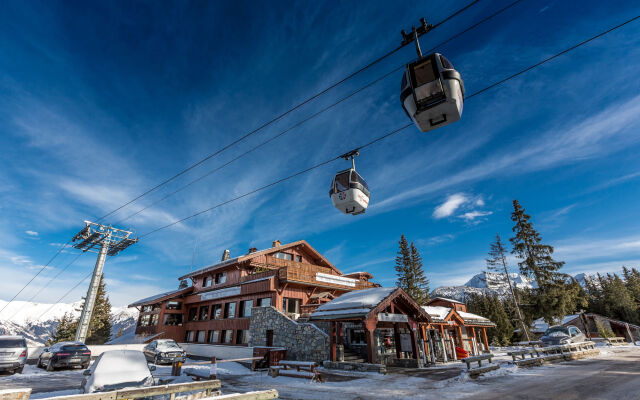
(65, 355)
(13, 353)
(562, 335)
(164, 351)
(118, 369)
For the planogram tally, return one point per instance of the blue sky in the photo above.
(101, 101)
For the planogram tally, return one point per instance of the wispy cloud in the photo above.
(31, 233)
(474, 215)
(451, 204)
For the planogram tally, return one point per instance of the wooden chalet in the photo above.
(377, 325)
(216, 306)
(452, 326)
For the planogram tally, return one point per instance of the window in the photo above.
(284, 256)
(216, 311)
(221, 277)
(144, 320)
(227, 336)
(242, 336)
(173, 319)
(173, 305)
(290, 306)
(299, 258)
(446, 64)
(245, 308)
(208, 281)
(148, 308)
(264, 302)
(230, 310)
(342, 181)
(204, 313)
(214, 336)
(424, 73)
(190, 336)
(201, 336)
(357, 336)
(193, 314)
(154, 319)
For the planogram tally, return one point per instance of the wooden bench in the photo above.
(539, 355)
(296, 369)
(617, 341)
(480, 369)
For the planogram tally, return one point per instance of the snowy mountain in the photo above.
(487, 282)
(36, 321)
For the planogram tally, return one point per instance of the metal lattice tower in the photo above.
(106, 241)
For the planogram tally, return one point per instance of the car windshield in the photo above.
(557, 331)
(168, 345)
(13, 343)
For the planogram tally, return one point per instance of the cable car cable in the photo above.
(375, 81)
(375, 140)
(391, 133)
(66, 294)
(264, 125)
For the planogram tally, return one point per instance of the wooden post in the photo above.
(444, 348)
(332, 341)
(370, 327)
(425, 344)
(414, 343)
(396, 339)
(213, 372)
(474, 351)
(340, 338)
(484, 338)
(459, 331)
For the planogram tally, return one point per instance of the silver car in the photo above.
(562, 335)
(13, 353)
(164, 351)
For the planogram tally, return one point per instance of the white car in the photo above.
(118, 369)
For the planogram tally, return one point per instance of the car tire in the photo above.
(19, 370)
(50, 366)
(155, 360)
(85, 366)
(38, 364)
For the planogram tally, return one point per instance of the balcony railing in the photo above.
(313, 274)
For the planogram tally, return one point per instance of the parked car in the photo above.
(65, 354)
(118, 369)
(164, 351)
(562, 335)
(13, 353)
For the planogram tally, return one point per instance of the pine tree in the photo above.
(492, 306)
(65, 329)
(410, 273)
(497, 263)
(100, 324)
(402, 260)
(557, 294)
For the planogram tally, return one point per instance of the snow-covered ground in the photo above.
(611, 374)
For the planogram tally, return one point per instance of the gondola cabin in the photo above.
(349, 192)
(432, 92)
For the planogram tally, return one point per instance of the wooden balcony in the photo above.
(293, 271)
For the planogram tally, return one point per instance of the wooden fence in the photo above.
(474, 372)
(192, 390)
(540, 355)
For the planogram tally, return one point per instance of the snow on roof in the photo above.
(155, 297)
(446, 299)
(468, 315)
(437, 312)
(358, 302)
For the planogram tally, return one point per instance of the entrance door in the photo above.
(269, 338)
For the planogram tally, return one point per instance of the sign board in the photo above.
(335, 279)
(218, 294)
(388, 317)
(405, 342)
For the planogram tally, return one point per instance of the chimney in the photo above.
(275, 243)
(252, 250)
(226, 255)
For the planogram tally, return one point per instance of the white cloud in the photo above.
(472, 215)
(447, 208)
(31, 233)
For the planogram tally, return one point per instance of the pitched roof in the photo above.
(438, 313)
(160, 297)
(444, 299)
(255, 254)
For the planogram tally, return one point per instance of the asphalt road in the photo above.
(615, 375)
(42, 381)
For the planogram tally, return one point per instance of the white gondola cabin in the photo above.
(432, 92)
(349, 192)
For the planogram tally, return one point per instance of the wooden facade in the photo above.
(215, 308)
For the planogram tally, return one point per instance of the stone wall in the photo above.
(303, 341)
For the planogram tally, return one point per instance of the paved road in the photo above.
(42, 381)
(615, 375)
